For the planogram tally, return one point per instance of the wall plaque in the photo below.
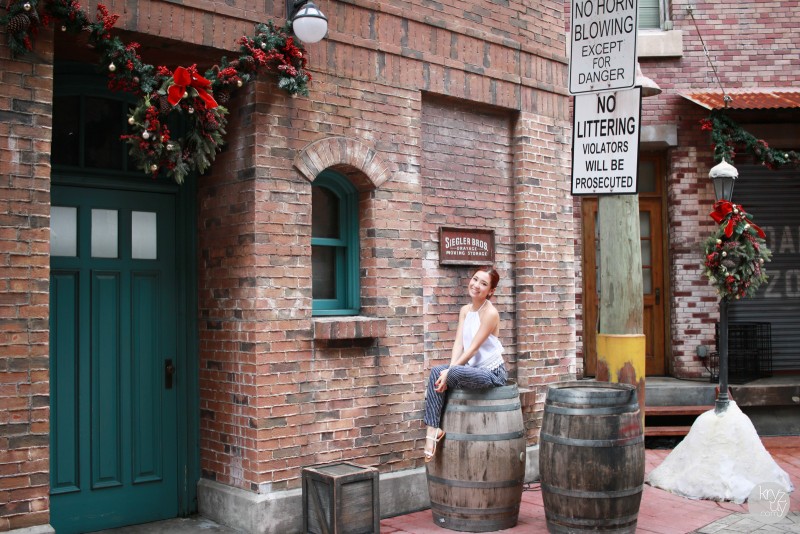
(466, 246)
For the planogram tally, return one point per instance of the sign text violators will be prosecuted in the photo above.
(605, 143)
(603, 45)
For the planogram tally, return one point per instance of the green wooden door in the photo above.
(114, 453)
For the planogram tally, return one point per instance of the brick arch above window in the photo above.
(346, 155)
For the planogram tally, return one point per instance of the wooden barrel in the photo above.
(591, 457)
(475, 480)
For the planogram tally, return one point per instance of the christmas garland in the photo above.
(735, 252)
(726, 136)
(164, 93)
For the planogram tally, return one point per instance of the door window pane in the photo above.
(63, 231)
(105, 237)
(647, 176)
(644, 224)
(324, 213)
(102, 146)
(646, 253)
(647, 280)
(323, 271)
(66, 130)
(143, 235)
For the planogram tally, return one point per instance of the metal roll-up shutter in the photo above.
(772, 198)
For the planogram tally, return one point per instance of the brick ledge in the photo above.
(355, 327)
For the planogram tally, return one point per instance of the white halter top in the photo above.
(490, 353)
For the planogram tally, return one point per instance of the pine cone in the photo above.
(164, 105)
(248, 64)
(223, 97)
(19, 23)
(729, 264)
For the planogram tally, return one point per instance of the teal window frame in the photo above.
(347, 253)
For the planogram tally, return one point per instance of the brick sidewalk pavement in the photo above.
(660, 512)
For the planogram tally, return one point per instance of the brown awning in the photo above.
(751, 98)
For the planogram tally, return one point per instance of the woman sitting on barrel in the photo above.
(477, 358)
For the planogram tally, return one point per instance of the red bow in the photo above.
(189, 78)
(723, 209)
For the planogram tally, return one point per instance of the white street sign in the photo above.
(603, 45)
(605, 142)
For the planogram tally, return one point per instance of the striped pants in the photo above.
(462, 377)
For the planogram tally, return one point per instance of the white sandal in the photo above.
(439, 437)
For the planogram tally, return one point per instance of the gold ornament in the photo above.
(238, 83)
(154, 167)
(112, 67)
(131, 121)
(145, 135)
(27, 6)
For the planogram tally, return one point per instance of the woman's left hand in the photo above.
(441, 383)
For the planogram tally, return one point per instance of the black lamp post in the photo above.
(724, 176)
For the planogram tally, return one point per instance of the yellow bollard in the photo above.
(621, 360)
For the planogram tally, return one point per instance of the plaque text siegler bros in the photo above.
(466, 246)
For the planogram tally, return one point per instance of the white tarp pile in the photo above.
(721, 459)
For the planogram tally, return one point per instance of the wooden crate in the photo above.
(341, 498)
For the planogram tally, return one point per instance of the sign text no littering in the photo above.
(605, 142)
(603, 45)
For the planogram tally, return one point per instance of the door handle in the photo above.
(169, 372)
(658, 295)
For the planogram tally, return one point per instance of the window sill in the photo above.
(357, 327)
(660, 43)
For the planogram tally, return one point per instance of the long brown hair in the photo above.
(494, 276)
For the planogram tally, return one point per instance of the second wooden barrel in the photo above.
(475, 480)
(591, 458)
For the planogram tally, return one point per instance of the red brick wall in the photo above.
(272, 398)
(466, 175)
(25, 109)
(544, 274)
(315, 401)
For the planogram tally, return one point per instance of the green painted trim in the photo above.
(83, 79)
(348, 281)
(188, 392)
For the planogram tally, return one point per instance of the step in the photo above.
(650, 431)
(676, 410)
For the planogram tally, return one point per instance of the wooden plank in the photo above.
(676, 410)
(666, 430)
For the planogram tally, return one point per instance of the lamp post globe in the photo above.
(309, 24)
(724, 177)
